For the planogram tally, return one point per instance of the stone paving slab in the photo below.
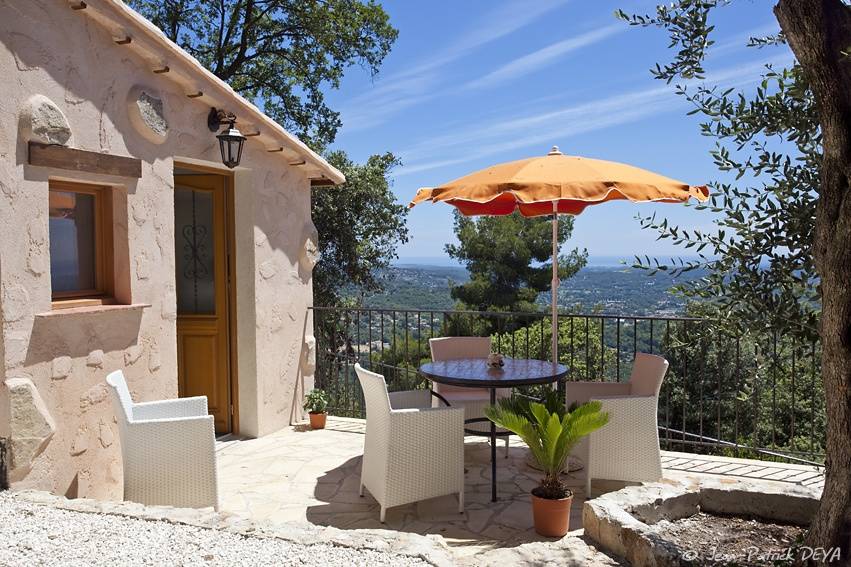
(299, 475)
(570, 551)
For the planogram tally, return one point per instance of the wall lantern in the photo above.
(230, 139)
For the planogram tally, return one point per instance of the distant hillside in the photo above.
(623, 290)
(612, 289)
(409, 286)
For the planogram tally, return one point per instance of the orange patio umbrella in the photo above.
(554, 184)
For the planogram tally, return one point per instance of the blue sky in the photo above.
(469, 84)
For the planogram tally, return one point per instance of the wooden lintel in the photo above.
(272, 150)
(78, 6)
(124, 40)
(62, 157)
(298, 163)
(196, 94)
(161, 70)
(322, 182)
(252, 134)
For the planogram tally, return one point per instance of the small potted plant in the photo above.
(316, 404)
(551, 433)
(496, 360)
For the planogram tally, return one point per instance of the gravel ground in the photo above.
(31, 534)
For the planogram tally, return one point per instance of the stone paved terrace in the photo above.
(299, 475)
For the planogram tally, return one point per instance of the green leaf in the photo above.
(549, 435)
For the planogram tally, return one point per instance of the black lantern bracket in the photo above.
(219, 116)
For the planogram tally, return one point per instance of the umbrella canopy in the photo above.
(553, 184)
(572, 183)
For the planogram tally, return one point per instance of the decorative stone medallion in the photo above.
(147, 114)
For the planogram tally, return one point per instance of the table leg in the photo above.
(493, 450)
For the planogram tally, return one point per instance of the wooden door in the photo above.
(201, 260)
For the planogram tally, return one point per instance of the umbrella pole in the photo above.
(554, 300)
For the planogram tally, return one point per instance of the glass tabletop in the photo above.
(475, 372)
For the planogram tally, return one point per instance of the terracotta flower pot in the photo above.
(317, 420)
(552, 517)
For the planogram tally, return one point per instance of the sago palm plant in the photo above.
(551, 434)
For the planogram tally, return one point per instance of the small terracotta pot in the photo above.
(552, 517)
(317, 420)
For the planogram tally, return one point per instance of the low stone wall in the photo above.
(620, 522)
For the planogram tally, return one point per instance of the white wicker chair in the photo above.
(412, 451)
(473, 400)
(627, 448)
(168, 449)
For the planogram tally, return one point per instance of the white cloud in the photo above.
(470, 142)
(531, 62)
(739, 41)
(496, 25)
(398, 91)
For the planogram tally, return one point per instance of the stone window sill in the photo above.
(92, 309)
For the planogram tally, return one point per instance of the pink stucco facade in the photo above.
(71, 58)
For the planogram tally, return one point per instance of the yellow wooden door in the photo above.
(201, 260)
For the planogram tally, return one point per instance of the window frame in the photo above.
(103, 294)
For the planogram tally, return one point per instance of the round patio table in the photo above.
(475, 373)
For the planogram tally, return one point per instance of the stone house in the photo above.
(125, 243)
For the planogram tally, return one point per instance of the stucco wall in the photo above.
(282, 294)
(4, 396)
(50, 50)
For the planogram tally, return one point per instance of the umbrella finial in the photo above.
(555, 151)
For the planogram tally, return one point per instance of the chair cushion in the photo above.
(648, 371)
(465, 394)
(453, 348)
(447, 391)
(473, 394)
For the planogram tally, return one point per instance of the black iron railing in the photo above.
(749, 393)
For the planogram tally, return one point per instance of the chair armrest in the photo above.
(629, 405)
(627, 447)
(427, 423)
(410, 399)
(194, 431)
(581, 392)
(167, 409)
(638, 399)
(171, 461)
